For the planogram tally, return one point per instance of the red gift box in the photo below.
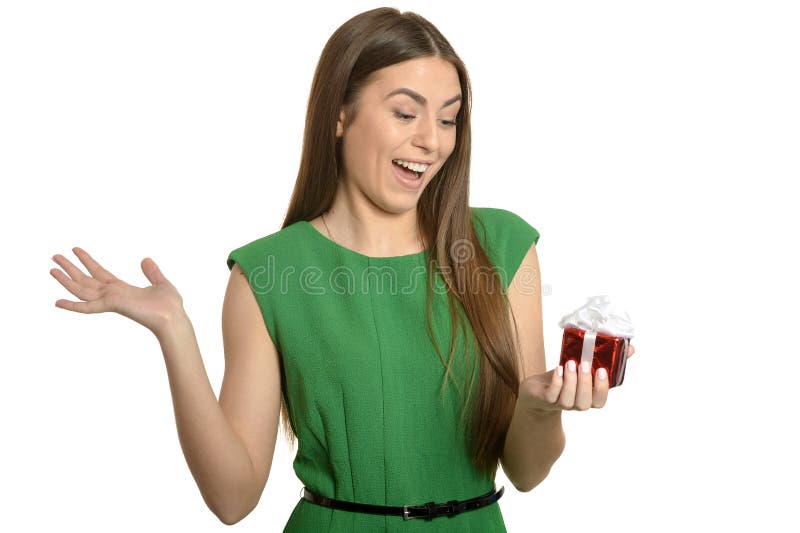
(604, 351)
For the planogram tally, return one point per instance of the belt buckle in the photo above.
(427, 509)
(407, 508)
(405, 513)
(432, 510)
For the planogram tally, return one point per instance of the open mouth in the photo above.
(407, 172)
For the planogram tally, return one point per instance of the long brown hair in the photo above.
(364, 44)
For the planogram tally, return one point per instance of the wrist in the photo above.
(172, 325)
(541, 419)
(538, 412)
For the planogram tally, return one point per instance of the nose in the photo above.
(427, 135)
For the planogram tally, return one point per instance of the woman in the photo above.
(404, 398)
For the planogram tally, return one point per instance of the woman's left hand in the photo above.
(571, 391)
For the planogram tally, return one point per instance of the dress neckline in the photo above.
(336, 245)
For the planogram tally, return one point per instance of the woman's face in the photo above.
(406, 113)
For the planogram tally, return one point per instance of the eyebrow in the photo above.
(421, 100)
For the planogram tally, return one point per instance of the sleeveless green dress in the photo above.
(363, 381)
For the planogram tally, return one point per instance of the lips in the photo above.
(405, 178)
(408, 173)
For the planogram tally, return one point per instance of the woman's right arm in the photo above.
(228, 445)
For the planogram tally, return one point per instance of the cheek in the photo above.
(451, 146)
(389, 136)
(375, 140)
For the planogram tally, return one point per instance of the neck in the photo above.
(372, 231)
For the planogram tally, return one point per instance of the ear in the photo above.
(340, 124)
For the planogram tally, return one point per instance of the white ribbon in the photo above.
(587, 354)
(588, 347)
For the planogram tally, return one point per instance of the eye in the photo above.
(404, 117)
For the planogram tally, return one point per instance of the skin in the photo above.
(153, 306)
(372, 213)
(543, 392)
(535, 438)
(572, 390)
(101, 291)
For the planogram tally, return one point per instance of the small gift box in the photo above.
(598, 332)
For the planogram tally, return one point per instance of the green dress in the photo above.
(363, 379)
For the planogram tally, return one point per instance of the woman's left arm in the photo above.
(535, 437)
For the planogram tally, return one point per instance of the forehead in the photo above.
(433, 77)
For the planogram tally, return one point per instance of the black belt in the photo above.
(427, 511)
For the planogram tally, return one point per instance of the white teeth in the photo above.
(416, 167)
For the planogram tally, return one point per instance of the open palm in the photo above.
(101, 292)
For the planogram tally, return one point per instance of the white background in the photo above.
(653, 145)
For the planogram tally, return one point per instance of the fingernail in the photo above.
(601, 374)
(560, 370)
(585, 367)
(571, 365)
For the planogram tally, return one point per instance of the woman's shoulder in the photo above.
(279, 242)
(505, 236)
(496, 224)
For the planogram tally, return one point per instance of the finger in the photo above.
(93, 306)
(631, 350)
(554, 388)
(567, 397)
(94, 268)
(78, 288)
(600, 391)
(583, 394)
(152, 272)
(74, 272)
